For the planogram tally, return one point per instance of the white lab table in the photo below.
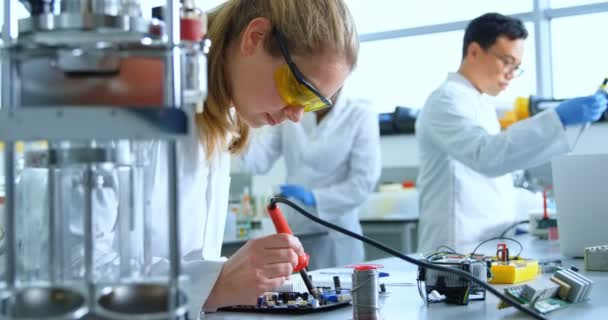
(404, 302)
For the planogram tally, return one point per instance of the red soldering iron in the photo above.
(280, 223)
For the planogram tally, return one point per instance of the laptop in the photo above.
(580, 183)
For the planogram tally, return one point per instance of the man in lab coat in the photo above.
(466, 192)
(333, 165)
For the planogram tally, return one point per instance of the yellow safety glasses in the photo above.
(293, 87)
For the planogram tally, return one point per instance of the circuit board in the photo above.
(296, 302)
(543, 306)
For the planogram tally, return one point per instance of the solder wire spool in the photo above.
(365, 293)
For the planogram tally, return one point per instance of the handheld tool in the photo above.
(584, 128)
(280, 224)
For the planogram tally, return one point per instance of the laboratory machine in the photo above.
(89, 87)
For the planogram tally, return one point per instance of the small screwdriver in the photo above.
(584, 128)
(280, 224)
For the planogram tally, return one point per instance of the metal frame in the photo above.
(544, 58)
(18, 124)
(9, 167)
(173, 97)
(56, 123)
(428, 29)
(540, 16)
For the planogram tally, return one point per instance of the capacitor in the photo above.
(282, 297)
(337, 285)
(365, 293)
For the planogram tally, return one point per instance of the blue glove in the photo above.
(582, 110)
(298, 192)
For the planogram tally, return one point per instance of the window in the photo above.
(19, 12)
(400, 14)
(404, 71)
(579, 58)
(572, 3)
(207, 5)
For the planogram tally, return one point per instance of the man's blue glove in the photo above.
(582, 110)
(298, 192)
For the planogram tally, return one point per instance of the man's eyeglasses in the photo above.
(293, 87)
(508, 64)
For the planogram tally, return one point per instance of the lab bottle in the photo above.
(246, 203)
(256, 226)
(230, 231)
(244, 220)
(242, 228)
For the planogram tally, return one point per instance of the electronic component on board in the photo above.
(296, 302)
(452, 288)
(596, 258)
(565, 288)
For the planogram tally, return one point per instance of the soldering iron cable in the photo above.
(420, 263)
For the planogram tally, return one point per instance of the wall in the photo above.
(392, 156)
(594, 141)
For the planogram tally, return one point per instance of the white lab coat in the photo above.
(466, 191)
(339, 160)
(204, 189)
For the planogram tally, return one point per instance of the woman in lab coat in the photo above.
(271, 60)
(466, 191)
(333, 165)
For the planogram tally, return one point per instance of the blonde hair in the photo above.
(309, 26)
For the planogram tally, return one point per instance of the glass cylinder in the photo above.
(143, 286)
(33, 291)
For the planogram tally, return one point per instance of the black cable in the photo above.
(422, 295)
(521, 247)
(504, 233)
(420, 263)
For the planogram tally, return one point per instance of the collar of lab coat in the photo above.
(457, 77)
(309, 121)
(339, 104)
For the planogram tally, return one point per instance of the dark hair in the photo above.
(486, 28)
